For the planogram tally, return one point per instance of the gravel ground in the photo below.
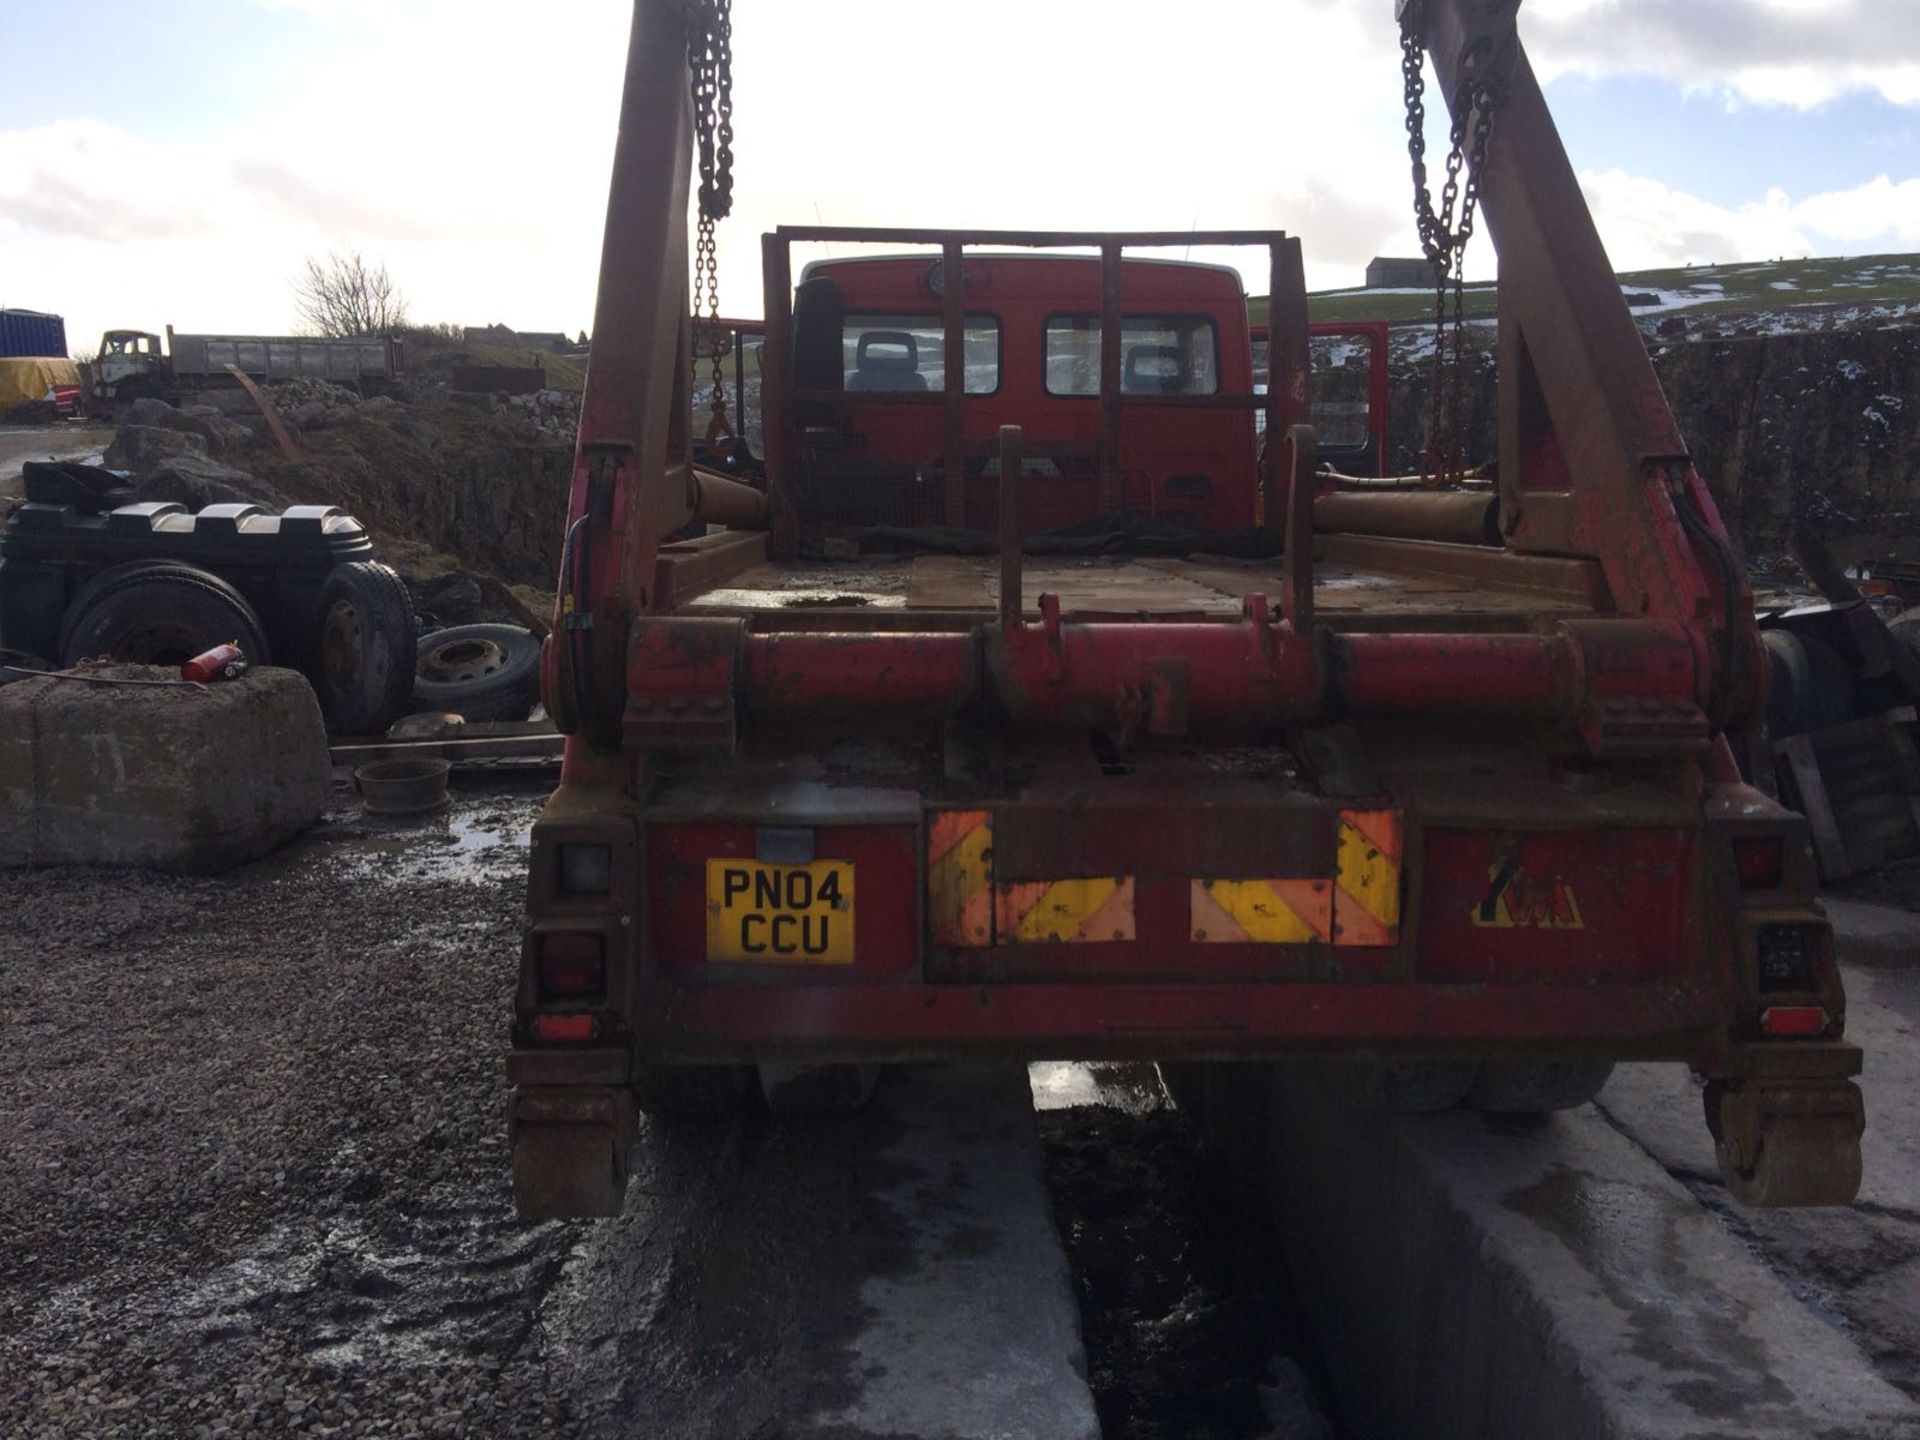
(255, 1145)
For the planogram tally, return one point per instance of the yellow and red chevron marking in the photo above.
(960, 877)
(1035, 911)
(1277, 912)
(1366, 905)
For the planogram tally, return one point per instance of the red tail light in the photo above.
(573, 964)
(563, 1029)
(1793, 1020)
(1760, 862)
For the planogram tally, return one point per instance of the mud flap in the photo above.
(1787, 1141)
(570, 1151)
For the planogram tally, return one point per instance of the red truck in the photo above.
(1044, 698)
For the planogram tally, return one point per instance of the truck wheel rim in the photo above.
(462, 660)
(340, 643)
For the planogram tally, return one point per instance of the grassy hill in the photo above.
(1698, 289)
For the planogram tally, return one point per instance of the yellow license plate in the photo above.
(761, 914)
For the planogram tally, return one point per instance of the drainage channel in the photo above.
(1190, 1326)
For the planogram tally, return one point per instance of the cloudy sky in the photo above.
(172, 161)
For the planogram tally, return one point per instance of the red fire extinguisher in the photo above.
(222, 662)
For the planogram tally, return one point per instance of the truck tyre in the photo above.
(158, 612)
(362, 668)
(680, 1090)
(484, 672)
(1535, 1087)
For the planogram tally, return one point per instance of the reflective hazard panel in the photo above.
(960, 877)
(1359, 904)
(1279, 912)
(1053, 910)
(761, 914)
(1366, 909)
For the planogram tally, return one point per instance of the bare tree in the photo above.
(344, 296)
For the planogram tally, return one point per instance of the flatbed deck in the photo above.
(1359, 584)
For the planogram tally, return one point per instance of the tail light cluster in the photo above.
(1760, 862)
(581, 899)
(1784, 943)
(573, 964)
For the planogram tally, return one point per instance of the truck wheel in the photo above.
(158, 612)
(361, 668)
(484, 672)
(710, 1090)
(1535, 1087)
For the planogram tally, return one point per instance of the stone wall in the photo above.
(1823, 426)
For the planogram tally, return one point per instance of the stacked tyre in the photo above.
(359, 658)
(480, 672)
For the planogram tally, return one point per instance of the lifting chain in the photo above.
(710, 75)
(1443, 241)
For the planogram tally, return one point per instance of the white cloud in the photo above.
(1647, 224)
(1792, 52)
(1879, 214)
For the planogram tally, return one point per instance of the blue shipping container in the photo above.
(28, 332)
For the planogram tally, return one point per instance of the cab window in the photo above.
(908, 352)
(1159, 355)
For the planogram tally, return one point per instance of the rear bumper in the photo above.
(1668, 1019)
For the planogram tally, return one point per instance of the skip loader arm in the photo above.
(1591, 462)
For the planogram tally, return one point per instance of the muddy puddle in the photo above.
(479, 837)
(1190, 1326)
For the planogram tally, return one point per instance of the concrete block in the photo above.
(976, 1334)
(163, 776)
(1487, 1278)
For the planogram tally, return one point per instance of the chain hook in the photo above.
(1443, 239)
(710, 78)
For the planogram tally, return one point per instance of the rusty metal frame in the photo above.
(1285, 403)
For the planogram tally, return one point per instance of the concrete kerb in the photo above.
(1502, 1279)
(980, 1338)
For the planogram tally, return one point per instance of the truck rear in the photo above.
(1045, 698)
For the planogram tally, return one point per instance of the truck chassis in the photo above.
(1490, 818)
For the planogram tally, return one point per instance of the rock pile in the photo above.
(314, 404)
(539, 417)
(168, 454)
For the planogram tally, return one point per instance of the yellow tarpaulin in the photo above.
(31, 377)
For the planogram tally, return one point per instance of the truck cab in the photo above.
(130, 363)
(872, 330)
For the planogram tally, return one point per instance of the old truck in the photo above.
(132, 363)
(1041, 704)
